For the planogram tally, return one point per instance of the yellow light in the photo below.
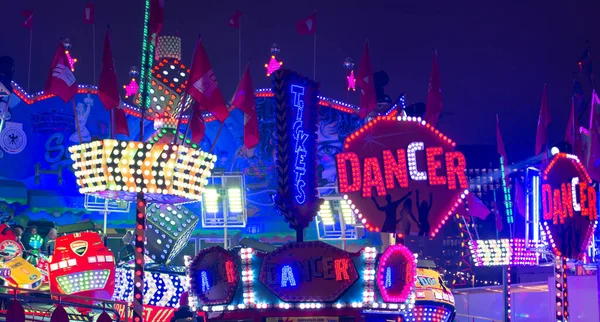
(211, 200)
(326, 214)
(235, 200)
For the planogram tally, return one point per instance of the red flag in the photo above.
(500, 142)
(197, 125)
(593, 155)
(234, 20)
(61, 81)
(157, 16)
(520, 200)
(499, 224)
(244, 100)
(88, 14)
(476, 207)
(541, 136)
(108, 87)
(120, 121)
(433, 107)
(308, 25)
(28, 23)
(203, 87)
(364, 80)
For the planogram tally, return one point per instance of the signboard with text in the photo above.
(214, 276)
(308, 272)
(296, 120)
(401, 175)
(568, 206)
(396, 274)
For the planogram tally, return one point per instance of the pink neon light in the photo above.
(351, 81)
(72, 60)
(273, 65)
(131, 88)
(411, 272)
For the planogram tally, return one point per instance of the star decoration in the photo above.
(351, 81)
(131, 88)
(72, 60)
(273, 65)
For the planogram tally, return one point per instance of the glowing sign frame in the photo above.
(567, 167)
(382, 277)
(401, 168)
(210, 261)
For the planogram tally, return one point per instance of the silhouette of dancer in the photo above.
(406, 214)
(423, 208)
(389, 225)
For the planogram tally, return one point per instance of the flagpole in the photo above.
(216, 138)
(240, 49)
(29, 69)
(4, 112)
(187, 128)
(77, 121)
(112, 124)
(94, 48)
(315, 56)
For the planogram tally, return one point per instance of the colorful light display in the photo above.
(428, 313)
(169, 230)
(160, 289)
(82, 266)
(502, 252)
(568, 209)
(214, 277)
(401, 159)
(299, 272)
(396, 274)
(131, 88)
(165, 173)
(351, 81)
(273, 65)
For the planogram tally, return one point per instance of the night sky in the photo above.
(495, 56)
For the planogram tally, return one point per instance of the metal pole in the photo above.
(138, 277)
(225, 214)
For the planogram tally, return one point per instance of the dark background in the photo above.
(495, 56)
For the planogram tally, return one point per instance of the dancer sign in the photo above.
(390, 161)
(568, 206)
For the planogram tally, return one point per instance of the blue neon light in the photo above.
(388, 277)
(205, 284)
(300, 138)
(287, 276)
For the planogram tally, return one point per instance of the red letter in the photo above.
(592, 211)
(557, 209)
(395, 169)
(433, 165)
(457, 170)
(372, 178)
(547, 201)
(341, 269)
(583, 196)
(342, 159)
(230, 269)
(567, 200)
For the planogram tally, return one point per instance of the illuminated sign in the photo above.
(300, 272)
(401, 175)
(214, 277)
(396, 274)
(430, 287)
(568, 206)
(296, 124)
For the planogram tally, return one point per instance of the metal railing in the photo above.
(25, 295)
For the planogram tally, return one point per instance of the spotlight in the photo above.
(555, 150)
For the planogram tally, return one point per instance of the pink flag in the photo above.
(364, 80)
(593, 156)
(203, 87)
(234, 20)
(498, 218)
(476, 207)
(520, 200)
(541, 136)
(572, 135)
(61, 81)
(88, 14)
(121, 126)
(157, 16)
(197, 125)
(500, 142)
(244, 100)
(434, 93)
(308, 25)
(28, 23)
(108, 87)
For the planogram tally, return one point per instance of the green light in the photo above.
(507, 198)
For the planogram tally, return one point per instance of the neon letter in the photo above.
(547, 201)
(341, 269)
(557, 214)
(457, 170)
(583, 196)
(574, 184)
(433, 165)
(372, 178)
(205, 285)
(567, 201)
(287, 276)
(412, 149)
(342, 159)
(592, 211)
(388, 277)
(393, 169)
(300, 138)
(230, 269)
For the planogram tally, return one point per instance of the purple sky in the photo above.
(494, 58)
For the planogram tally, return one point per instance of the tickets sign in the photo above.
(300, 272)
(568, 206)
(401, 175)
